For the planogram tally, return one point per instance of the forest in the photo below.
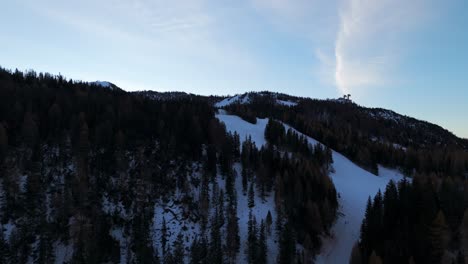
(96, 175)
(90, 175)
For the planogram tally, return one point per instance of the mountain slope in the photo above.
(353, 184)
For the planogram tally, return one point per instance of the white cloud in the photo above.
(367, 44)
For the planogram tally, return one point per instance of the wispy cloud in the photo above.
(367, 44)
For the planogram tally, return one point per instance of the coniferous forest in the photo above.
(90, 174)
(86, 174)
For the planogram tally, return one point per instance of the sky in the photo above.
(408, 56)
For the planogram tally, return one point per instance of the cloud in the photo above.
(368, 41)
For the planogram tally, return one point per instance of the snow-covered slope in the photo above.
(244, 128)
(103, 84)
(248, 98)
(242, 99)
(353, 184)
(286, 103)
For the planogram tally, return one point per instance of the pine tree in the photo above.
(29, 131)
(44, 250)
(3, 143)
(3, 247)
(464, 236)
(215, 255)
(439, 237)
(374, 259)
(195, 252)
(244, 180)
(356, 257)
(365, 226)
(251, 198)
(287, 246)
(262, 245)
(232, 237)
(313, 218)
(229, 186)
(252, 242)
(164, 237)
(199, 251)
(269, 222)
(178, 249)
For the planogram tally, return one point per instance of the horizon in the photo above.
(226, 95)
(405, 56)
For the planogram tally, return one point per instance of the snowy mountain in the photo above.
(90, 173)
(353, 184)
(104, 84)
(252, 97)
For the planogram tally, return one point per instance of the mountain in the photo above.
(96, 175)
(105, 84)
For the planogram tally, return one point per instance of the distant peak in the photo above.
(103, 84)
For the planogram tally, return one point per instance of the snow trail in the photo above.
(353, 184)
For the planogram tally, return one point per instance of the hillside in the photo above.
(96, 175)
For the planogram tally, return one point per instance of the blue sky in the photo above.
(408, 56)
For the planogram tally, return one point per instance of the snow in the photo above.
(7, 229)
(286, 103)
(385, 114)
(63, 253)
(23, 179)
(244, 129)
(398, 146)
(103, 84)
(353, 184)
(176, 224)
(242, 99)
(245, 99)
(261, 208)
(260, 212)
(118, 234)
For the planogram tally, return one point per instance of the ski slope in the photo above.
(244, 128)
(353, 184)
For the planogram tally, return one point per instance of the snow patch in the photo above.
(286, 103)
(241, 99)
(245, 129)
(103, 84)
(63, 253)
(353, 184)
(260, 212)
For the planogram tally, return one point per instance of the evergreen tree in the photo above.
(374, 259)
(287, 246)
(44, 250)
(215, 254)
(164, 237)
(3, 143)
(195, 252)
(232, 237)
(356, 257)
(262, 246)
(178, 250)
(366, 227)
(464, 236)
(199, 251)
(252, 243)
(439, 237)
(3, 247)
(251, 198)
(269, 222)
